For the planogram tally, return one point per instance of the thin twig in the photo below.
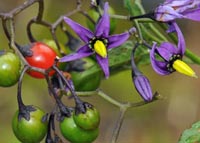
(19, 96)
(118, 125)
(12, 41)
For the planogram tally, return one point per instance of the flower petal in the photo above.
(103, 25)
(167, 50)
(168, 1)
(181, 41)
(178, 3)
(193, 14)
(75, 56)
(117, 40)
(173, 27)
(103, 62)
(159, 66)
(172, 9)
(166, 13)
(84, 49)
(84, 33)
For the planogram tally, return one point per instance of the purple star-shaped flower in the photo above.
(168, 52)
(173, 9)
(97, 42)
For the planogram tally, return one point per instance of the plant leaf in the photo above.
(133, 7)
(119, 58)
(191, 135)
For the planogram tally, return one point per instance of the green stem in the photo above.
(192, 56)
(152, 31)
(109, 99)
(138, 3)
(138, 29)
(149, 34)
(157, 32)
(86, 93)
(145, 20)
(119, 17)
(104, 96)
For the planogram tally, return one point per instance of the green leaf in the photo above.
(119, 58)
(196, 125)
(191, 135)
(134, 7)
(142, 56)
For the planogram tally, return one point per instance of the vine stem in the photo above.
(99, 92)
(12, 41)
(120, 17)
(63, 109)
(109, 99)
(118, 124)
(192, 56)
(78, 101)
(19, 96)
(18, 9)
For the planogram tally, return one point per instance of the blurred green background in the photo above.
(159, 122)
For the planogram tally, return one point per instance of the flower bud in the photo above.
(143, 87)
(140, 81)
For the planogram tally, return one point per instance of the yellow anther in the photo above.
(183, 68)
(100, 48)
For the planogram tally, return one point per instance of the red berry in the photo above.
(43, 57)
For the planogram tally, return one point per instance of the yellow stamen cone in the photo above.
(183, 68)
(100, 48)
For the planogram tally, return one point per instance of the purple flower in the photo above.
(97, 42)
(173, 9)
(171, 55)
